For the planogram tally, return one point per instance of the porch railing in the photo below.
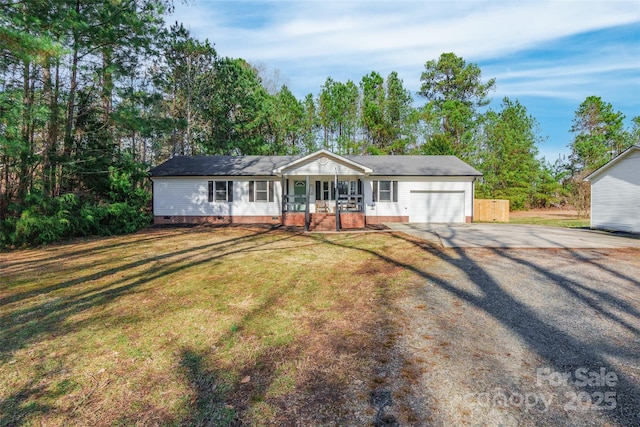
(294, 203)
(351, 203)
(346, 203)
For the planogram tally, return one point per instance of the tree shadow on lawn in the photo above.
(208, 406)
(212, 385)
(186, 253)
(121, 241)
(321, 392)
(563, 352)
(20, 328)
(13, 411)
(222, 398)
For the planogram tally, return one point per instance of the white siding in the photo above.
(408, 184)
(189, 197)
(615, 196)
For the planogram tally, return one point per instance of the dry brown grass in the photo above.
(253, 326)
(555, 217)
(199, 326)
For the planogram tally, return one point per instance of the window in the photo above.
(325, 190)
(220, 191)
(385, 191)
(343, 187)
(261, 191)
(348, 187)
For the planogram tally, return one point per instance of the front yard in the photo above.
(195, 326)
(253, 326)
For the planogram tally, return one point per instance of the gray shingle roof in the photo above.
(264, 165)
(221, 165)
(416, 165)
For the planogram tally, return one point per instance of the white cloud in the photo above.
(477, 30)
(353, 37)
(311, 40)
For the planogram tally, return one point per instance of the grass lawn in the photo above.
(197, 326)
(554, 222)
(554, 217)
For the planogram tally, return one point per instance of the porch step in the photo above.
(322, 222)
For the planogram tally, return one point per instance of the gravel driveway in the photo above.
(517, 337)
(514, 236)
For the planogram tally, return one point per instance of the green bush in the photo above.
(43, 220)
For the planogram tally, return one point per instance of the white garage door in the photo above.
(437, 206)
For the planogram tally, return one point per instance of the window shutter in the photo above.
(395, 191)
(210, 191)
(318, 190)
(271, 190)
(251, 190)
(229, 191)
(375, 191)
(360, 187)
(333, 190)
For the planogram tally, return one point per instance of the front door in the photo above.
(300, 195)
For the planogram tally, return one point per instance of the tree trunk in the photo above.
(106, 94)
(68, 141)
(56, 170)
(23, 168)
(5, 196)
(50, 148)
(47, 92)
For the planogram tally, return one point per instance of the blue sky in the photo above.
(549, 55)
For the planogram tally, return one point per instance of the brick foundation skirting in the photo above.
(293, 219)
(468, 219)
(222, 219)
(348, 220)
(375, 220)
(352, 220)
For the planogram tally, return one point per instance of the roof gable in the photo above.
(602, 169)
(323, 162)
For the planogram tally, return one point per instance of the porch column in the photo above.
(283, 209)
(360, 190)
(306, 207)
(337, 196)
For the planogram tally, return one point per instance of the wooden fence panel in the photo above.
(490, 210)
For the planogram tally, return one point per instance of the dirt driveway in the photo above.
(520, 337)
(514, 236)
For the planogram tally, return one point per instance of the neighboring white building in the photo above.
(275, 189)
(615, 193)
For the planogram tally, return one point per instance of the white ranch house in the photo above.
(615, 193)
(309, 190)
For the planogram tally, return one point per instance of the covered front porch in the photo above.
(320, 203)
(323, 192)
